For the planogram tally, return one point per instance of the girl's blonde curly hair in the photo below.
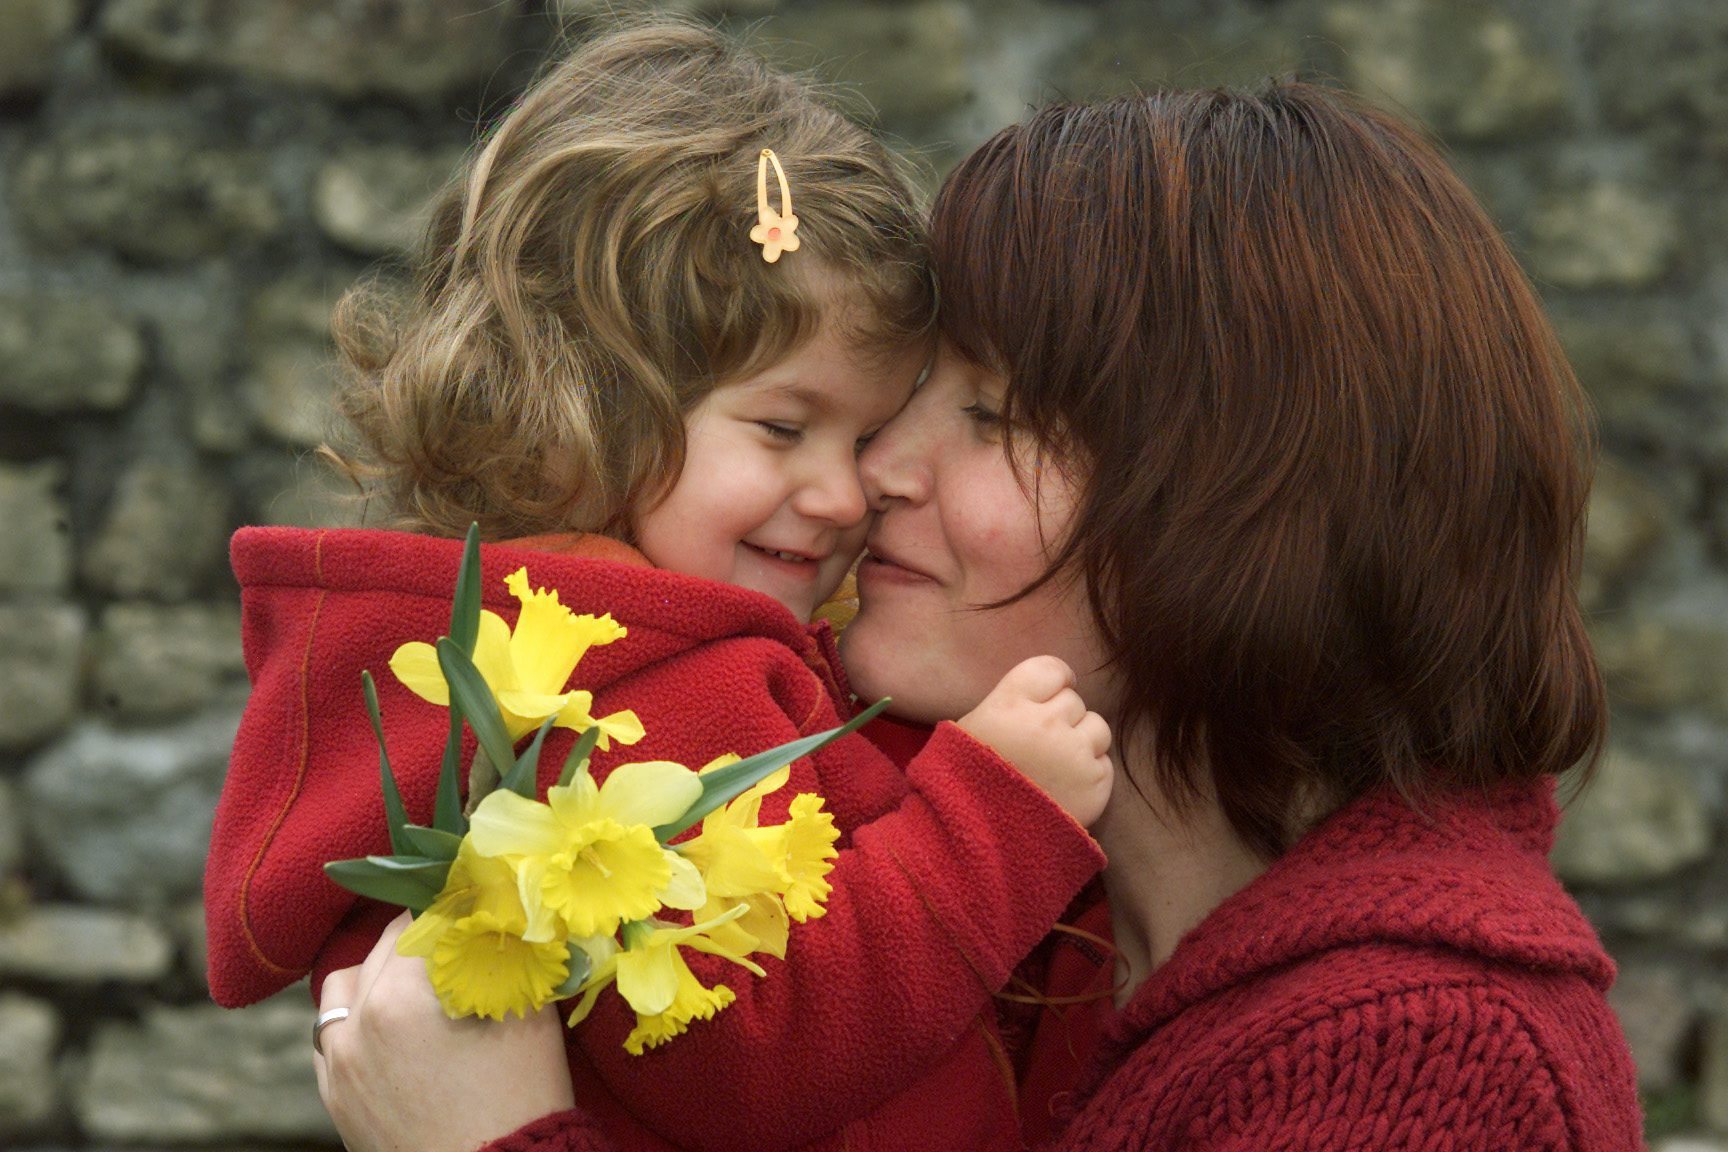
(588, 278)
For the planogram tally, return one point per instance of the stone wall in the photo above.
(186, 185)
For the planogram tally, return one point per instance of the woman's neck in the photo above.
(1167, 872)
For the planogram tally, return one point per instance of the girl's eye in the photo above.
(783, 432)
(863, 442)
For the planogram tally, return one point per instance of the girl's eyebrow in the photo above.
(799, 391)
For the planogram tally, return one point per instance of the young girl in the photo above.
(668, 301)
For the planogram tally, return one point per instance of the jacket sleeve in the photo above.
(303, 784)
(962, 867)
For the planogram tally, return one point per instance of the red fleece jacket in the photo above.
(1396, 982)
(876, 1029)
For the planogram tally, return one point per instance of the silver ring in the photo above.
(325, 1019)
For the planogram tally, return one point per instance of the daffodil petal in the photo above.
(577, 802)
(416, 665)
(739, 861)
(603, 969)
(422, 936)
(651, 792)
(533, 706)
(704, 943)
(746, 809)
(541, 918)
(574, 712)
(686, 889)
(506, 824)
(492, 653)
(648, 977)
(602, 952)
(590, 993)
(623, 727)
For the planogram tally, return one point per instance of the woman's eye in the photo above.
(784, 432)
(986, 418)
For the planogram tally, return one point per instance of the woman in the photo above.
(1244, 409)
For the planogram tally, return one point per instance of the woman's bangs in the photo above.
(970, 229)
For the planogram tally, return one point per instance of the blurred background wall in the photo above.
(187, 185)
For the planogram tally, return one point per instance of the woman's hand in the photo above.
(398, 1075)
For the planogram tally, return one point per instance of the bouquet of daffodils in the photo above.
(520, 901)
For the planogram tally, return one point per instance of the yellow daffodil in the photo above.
(588, 854)
(810, 855)
(656, 982)
(736, 856)
(528, 670)
(485, 955)
(762, 927)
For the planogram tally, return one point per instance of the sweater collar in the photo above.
(1467, 873)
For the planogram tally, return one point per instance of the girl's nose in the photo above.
(834, 494)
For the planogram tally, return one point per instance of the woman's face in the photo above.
(956, 530)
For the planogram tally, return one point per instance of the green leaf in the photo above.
(431, 842)
(725, 784)
(524, 777)
(447, 809)
(578, 756)
(468, 689)
(447, 814)
(411, 881)
(395, 813)
(465, 610)
(580, 966)
(482, 778)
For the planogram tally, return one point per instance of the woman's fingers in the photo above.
(339, 988)
(338, 992)
(381, 953)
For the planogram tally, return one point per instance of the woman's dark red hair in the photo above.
(1337, 462)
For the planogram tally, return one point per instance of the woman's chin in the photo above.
(879, 663)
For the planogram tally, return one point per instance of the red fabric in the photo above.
(1397, 981)
(949, 873)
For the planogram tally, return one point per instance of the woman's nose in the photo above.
(895, 465)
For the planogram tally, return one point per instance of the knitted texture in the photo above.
(1399, 980)
(950, 870)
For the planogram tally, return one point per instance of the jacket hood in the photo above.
(1466, 873)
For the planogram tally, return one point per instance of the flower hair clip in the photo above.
(777, 232)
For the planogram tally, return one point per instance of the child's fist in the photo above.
(1036, 721)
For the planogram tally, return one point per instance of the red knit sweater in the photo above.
(876, 1031)
(1396, 982)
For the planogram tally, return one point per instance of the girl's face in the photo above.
(955, 530)
(769, 498)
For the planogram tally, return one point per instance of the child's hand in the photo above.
(1035, 720)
